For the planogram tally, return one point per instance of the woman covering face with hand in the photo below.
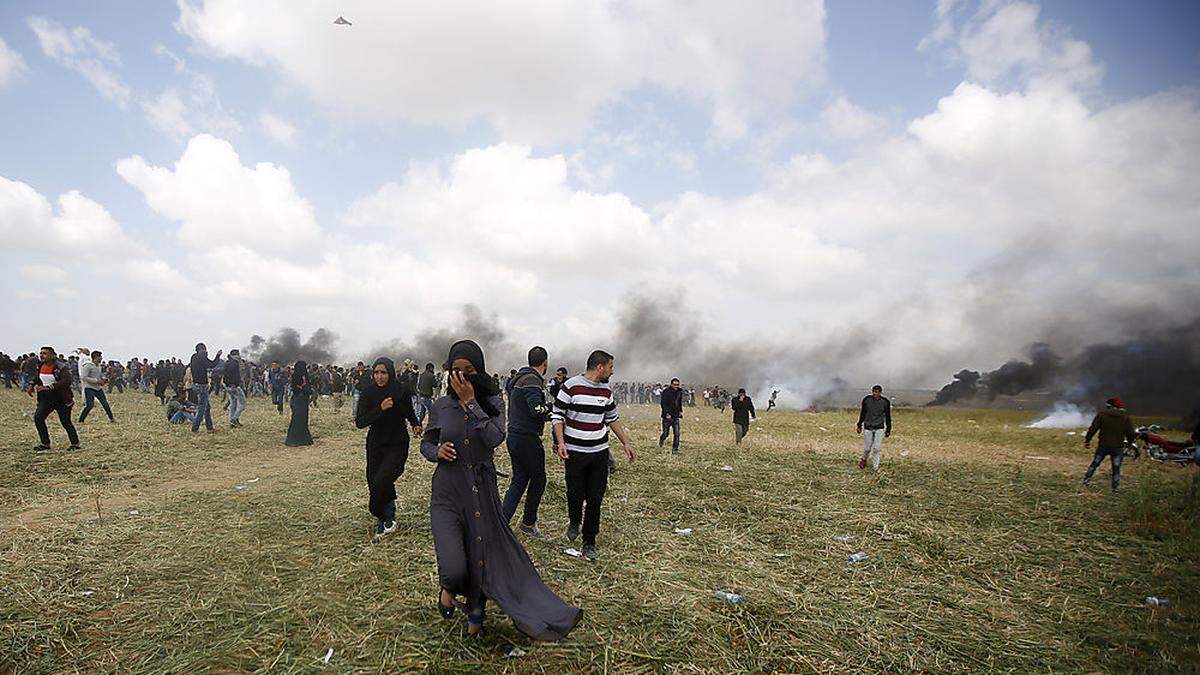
(478, 556)
(385, 409)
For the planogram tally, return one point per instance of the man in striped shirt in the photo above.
(584, 410)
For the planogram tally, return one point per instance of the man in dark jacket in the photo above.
(743, 412)
(233, 385)
(875, 416)
(527, 417)
(199, 365)
(560, 376)
(671, 403)
(1115, 429)
(426, 382)
(52, 384)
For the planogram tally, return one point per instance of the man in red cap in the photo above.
(1115, 428)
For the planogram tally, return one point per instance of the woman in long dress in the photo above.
(385, 407)
(478, 556)
(301, 386)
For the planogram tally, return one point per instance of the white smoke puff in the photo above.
(1063, 416)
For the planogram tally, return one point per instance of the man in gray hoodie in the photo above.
(91, 375)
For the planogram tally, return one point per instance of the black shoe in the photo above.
(572, 531)
(446, 612)
(41, 447)
(75, 446)
(590, 552)
(532, 531)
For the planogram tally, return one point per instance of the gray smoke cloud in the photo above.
(286, 347)
(433, 345)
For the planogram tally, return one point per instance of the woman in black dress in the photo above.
(298, 433)
(478, 556)
(384, 407)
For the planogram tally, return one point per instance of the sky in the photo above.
(923, 185)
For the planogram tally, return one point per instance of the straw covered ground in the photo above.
(153, 550)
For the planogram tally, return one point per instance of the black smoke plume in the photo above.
(1157, 372)
(285, 347)
(964, 388)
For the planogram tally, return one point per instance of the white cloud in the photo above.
(217, 201)
(44, 274)
(277, 129)
(847, 121)
(78, 50)
(80, 226)
(1004, 43)
(198, 109)
(12, 65)
(536, 71)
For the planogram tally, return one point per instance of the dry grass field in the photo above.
(153, 550)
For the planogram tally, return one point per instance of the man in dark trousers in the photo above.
(91, 374)
(671, 403)
(52, 384)
(743, 413)
(199, 365)
(1115, 429)
(875, 417)
(528, 413)
(582, 414)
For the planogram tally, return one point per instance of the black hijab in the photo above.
(485, 386)
(374, 394)
(299, 375)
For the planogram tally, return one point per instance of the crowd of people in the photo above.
(459, 430)
(461, 415)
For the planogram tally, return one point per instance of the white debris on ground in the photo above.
(683, 530)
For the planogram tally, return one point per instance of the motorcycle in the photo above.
(1163, 449)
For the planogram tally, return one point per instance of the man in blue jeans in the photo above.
(426, 383)
(233, 385)
(671, 402)
(200, 364)
(527, 417)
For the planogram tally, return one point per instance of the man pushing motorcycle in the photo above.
(1115, 428)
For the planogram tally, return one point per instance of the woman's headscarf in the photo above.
(374, 394)
(485, 386)
(299, 375)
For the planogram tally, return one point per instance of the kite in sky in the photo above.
(341, 21)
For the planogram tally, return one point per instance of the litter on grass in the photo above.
(858, 557)
(732, 598)
(683, 530)
(1070, 433)
(573, 552)
(904, 453)
(1157, 602)
(252, 480)
(1035, 457)
(844, 538)
(727, 468)
(822, 428)
(134, 513)
(239, 486)
(328, 655)
(513, 651)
